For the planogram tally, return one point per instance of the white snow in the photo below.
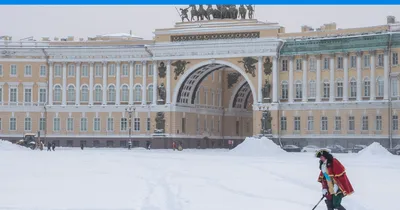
(121, 179)
(375, 149)
(263, 146)
(8, 146)
(120, 35)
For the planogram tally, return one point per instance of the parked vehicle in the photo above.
(357, 148)
(313, 148)
(291, 148)
(336, 148)
(395, 150)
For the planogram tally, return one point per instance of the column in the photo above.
(64, 83)
(260, 80)
(50, 96)
(118, 84)
(346, 76)
(104, 83)
(131, 78)
(359, 76)
(91, 78)
(275, 81)
(78, 83)
(144, 85)
(305, 79)
(372, 84)
(386, 74)
(168, 86)
(291, 88)
(155, 77)
(332, 78)
(318, 82)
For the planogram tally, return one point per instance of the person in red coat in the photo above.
(335, 184)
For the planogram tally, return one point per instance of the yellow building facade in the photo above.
(204, 83)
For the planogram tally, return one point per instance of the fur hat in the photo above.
(322, 152)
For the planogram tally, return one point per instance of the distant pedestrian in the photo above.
(129, 144)
(48, 146)
(53, 146)
(173, 145)
(82, 146)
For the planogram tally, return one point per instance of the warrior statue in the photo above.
(184, 14)
(242, 11)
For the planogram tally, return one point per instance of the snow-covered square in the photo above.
(257, 175)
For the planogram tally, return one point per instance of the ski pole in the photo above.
(319, 202)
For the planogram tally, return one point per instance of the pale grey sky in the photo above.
(84, 21)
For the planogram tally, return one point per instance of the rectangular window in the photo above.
(353, 61)
(137, 124)
(13, 70)
(352, 125)
(218, 125)
(111, 70)
(42, 95)
(1, 70)
(285, 92)
(284, 65)
(70, 124)
(125, 70)
(378, 123)
(324, 123)
(326, 63)
(395, 59)
(340, 62)
(380, 60)
(150, 70)
(96, 124)
(28, 124)
(42, 124)
(13, 95)
(283, 124)
(298, 65)
(367, 62)
(13, 124)
(57, 70)
(71, 70)
(364, 123)
(84, 124)
(313, 64)
(98, 71)
(299, 91)
(27, 95)
(326, 90)
(395, 122)
(339, 89)
(338, 123)
(124, 124)
(43, 71)
(310, 123)
(148, 124)
(85, 71)
(1, 95)
(110, 124)
(395, 88)
(367, 88)
(312, 89)
(138, 69)
(56, 124)
(297, 123)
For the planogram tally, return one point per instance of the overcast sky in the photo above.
(84, 21)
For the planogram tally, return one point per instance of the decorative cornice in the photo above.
(372, 52)
(359, 53)
(234, 35)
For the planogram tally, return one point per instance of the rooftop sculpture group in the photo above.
(226, 11)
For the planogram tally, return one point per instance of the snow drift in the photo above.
(257, 147)
(375, 149)
(8, 146)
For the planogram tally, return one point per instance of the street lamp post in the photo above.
(130, 110)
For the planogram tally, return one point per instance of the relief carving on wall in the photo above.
(161, 94)
(266, 90)
(160, 123)
(180, 67)
(248, 64)
(233, 78)
(161, 70)
(266, 122)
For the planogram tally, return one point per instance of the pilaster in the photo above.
(78, 83)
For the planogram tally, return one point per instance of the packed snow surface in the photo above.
(8, 146)
(258, 147)
(121, 179)
(375, 149)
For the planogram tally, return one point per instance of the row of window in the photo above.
(366, 62)
(27, 70)
(337, 124)
(27, 97)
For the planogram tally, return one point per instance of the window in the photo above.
(212, 76)
(298, 64)
(365, 123)
(111, 70)
(197, 124)
(1, 70)
(13, 95)
(283, 124)
(380, 87)
(13, 124)
(338, 123)
(205, 97)
(124, 124)
(339, 89)
(312, 64)
(326, 63)
(326, 89)
(111, 94)
(353, 61)
(96, 124)
(28, 124)
(98, 71)
(324, 123)
(56, 124)
(85, 71)
(1, 94)
(57, 93)
(138, 93)
(353, 88)
(150, 70)
(219, 99)
(125, 70)
(299, 90)
(284, 90)
(42, 124)
(395, 87)
(137, 124)
(70, 124)
(138, 69)
(43, 71)
(150, 93)
(42, 95)
(367, 87)
(110, 124)
(206, 128)
(366, 61)
(310, 123)
(57, 70)
(219, 125)
(13, 70)
(183, 124)
(197, 100)
(71, 94)
(395, 58)
(71, 70)
(395, 122)
(378, 123)
(149, 124)
(297, 123)
(352, 124)
(284, 65)
(85, 93)
(98, 96)
(27, 95)
(380, 60)
(312, 89)
(84, 124)
(340, 62)
(125, 93)
(212, 98)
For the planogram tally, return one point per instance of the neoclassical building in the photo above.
(204, 83)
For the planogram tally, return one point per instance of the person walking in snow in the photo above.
(335, 184)
(129, 144)
(48, 146)
(53, 146)
(173, 145)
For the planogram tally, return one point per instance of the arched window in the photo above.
(57, 93)
(367, 87)
(395, 87)
(299, 90)
(98, 94)
(138, 93)
(312, 89)
(111, 93)
(353, 88)
(71, 93)
(284, 90)
(380, 87)
(326, 89)
(150, 93)
(85, 93)
(339, 88)
(124, 93)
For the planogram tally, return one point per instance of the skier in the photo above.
(129, 144)
(335, 184)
